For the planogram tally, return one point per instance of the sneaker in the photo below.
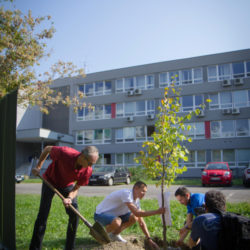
(116, 237)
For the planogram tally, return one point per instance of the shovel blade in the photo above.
(99, 233)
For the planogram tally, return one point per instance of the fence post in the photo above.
(8, 105)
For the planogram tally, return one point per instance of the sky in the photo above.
(100, 35)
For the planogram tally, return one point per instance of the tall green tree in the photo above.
(163, 154)
(22, 45)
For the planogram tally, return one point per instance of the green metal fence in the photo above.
(8, 106)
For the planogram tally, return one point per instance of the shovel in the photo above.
(97, 230)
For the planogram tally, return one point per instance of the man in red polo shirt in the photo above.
(68, 171)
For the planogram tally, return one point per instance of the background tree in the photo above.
(163, 154)
(22, 46)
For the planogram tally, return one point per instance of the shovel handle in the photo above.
(62, 197)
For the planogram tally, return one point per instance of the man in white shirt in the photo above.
(121, 209)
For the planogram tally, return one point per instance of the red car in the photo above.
(216, 173)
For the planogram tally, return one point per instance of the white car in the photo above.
(246, 177)
(19, 178)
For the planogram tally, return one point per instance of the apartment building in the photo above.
(126, 102)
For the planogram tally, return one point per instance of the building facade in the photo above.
(126, 102)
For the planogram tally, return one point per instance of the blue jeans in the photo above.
(41, 221)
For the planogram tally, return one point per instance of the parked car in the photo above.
(246, 177)
(19, 178)
(217, 173)
(109, 175)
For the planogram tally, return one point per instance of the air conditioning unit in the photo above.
(201, 114)
(130, 118)
(130, 92)
(137, 91)
(235, 111)
(226, 83)
(226, 111)
(238, 81)
(150, 117)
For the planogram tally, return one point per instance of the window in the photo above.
(119, 159)
(99, 88)
(174, 78)
(224, 71)
(119, 109)
(243, 157)
(150, 107)
(79, 138)
(215, 129)
(119, 85)
(248, 68)
(186, 76)
(199, 130)
(227, 128)
(140, 82)
(216, 155)
(150, 131)
(212, 73)
(226, 99)
(191, 159)
(163, 80)
(119, 135)
(140, 133)
(80, 114)
(198, 77)
(214, 104)
(107, 88)
(99, 112)
(97, 136)
(129, 158)
(229, 156)
(240, 98)
(88, 136)
(107, 111)
(89, 114)
(238, 69)
(129, 134)
(129, 83)
(242, 127)
(201, 158)
(150, 81)
(129, 108)
(140, 108)
(198, 101)
(187, 103)
(89, 89)
(107, 135)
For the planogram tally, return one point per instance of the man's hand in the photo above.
(161, 210)
(67, 202)
(36, 171)
(152, 244)
(183, 230)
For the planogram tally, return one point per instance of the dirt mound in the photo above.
(133, 242)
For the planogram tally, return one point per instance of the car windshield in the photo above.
(215, 166)
(103, 169)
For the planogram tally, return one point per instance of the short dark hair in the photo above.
(182, 191)
(215, 200)
(90, 150)
(139, 184)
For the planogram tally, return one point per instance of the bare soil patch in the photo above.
(133, 243)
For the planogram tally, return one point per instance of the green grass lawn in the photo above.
(184, 182)
(27, 208)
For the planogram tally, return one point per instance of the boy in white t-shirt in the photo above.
(121, 209)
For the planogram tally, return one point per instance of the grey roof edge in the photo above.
(152, 68)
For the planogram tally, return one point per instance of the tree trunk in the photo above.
(164, 232)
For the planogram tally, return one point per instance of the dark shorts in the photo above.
(106, 219)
